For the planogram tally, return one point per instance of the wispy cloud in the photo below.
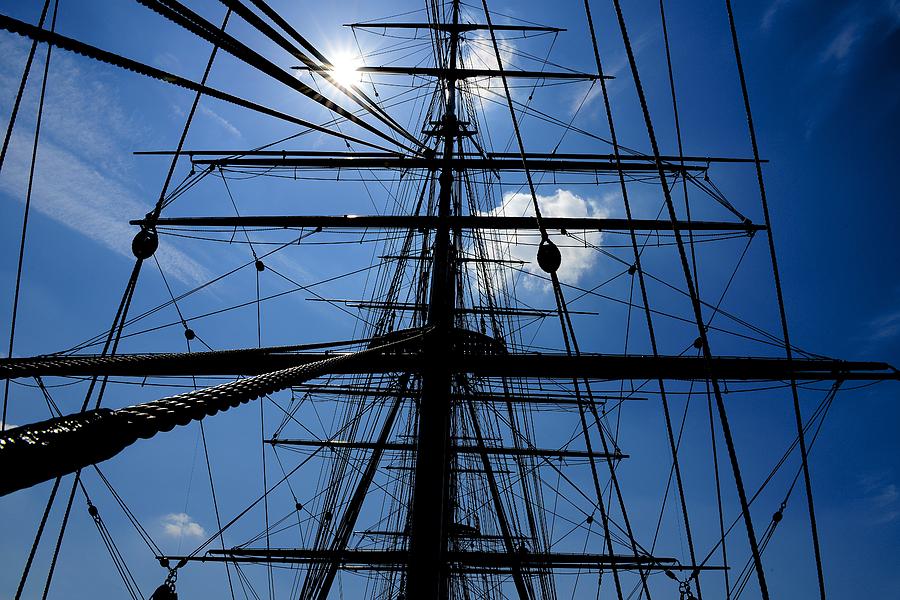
(478, 53)
(220, 121)
(842, 43)
(75, 194)
(843, 52)
(581, 101)
(83, 175)
(181, 525)
(167, 61)
(612, 67)
(884, 326)
(882, 497)
(861, 25)
(771, 12)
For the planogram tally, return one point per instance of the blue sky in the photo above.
(824, 80)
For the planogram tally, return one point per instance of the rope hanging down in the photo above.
(145, 243)
(143, 246)
(550, 259)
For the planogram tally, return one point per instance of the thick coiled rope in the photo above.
(41, 451)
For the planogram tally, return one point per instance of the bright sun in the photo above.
(345, 69)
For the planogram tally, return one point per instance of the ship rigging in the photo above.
(465, 439)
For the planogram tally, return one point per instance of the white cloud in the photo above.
(581, 101)
(81, 111)
(220, 120)
(577, 259)
(6, 426)
(769, 16)
(614, 65)
(839, 47)
(885, 326)
(83, 179)
(478, 53)
(76, 194)
(883, 498)
(180, 525)
(167, 61)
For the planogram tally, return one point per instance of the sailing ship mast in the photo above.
(438, 368)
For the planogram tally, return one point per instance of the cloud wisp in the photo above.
(884, 327)
(478, 53)
(882, 497)
(842, 43)
(860, 28)
(220, 121)
(771, 12)
(84, 178)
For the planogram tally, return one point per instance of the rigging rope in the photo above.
(778, 515)
(21, 92)
(37, 538)
(72, 45)
(58, 446)
(638, 267)
(684, 180)
(780, 296)
(351, 90)
(720, 510)
(30, 188)
(181, 15)
(113, 550)
(720, 404)
(515, 123)
(549, 259)
(40, 530)
(147, 239)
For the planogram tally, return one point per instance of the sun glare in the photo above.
(345, 70)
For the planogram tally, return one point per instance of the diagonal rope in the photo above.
(643, 289)
(181, 15)
(562, 308)
(30, 188)
(778, 292)
(21, 92)
(92, 52)
(115, 331)
(43, 522)
(352, 91)
(704, 341)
